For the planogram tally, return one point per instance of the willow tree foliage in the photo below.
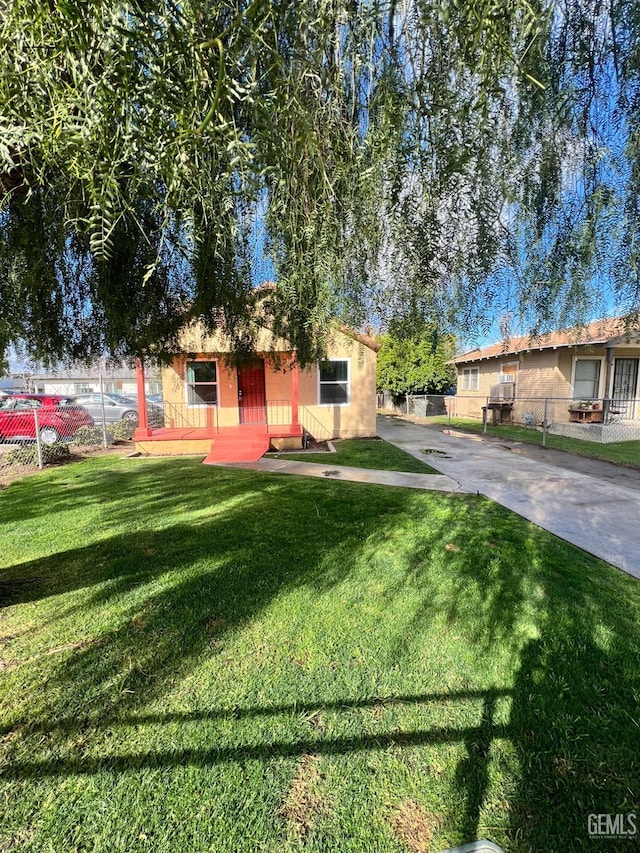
(400, 155)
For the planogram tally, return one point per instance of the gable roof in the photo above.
(597, 332)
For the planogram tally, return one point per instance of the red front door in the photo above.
(251, 393)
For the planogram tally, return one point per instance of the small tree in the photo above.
(416, 364)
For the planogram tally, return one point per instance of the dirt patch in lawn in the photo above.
(303, 803)
(414, 825)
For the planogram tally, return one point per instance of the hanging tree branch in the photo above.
(393, 151)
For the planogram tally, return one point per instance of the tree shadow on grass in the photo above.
(92, 483)
(574, 690)
(574, 723)
(177, 590)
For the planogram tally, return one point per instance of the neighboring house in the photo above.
(8, 384)
(83, 379)
(235, 411)
(597, 366)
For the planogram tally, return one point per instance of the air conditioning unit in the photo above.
(502, 392)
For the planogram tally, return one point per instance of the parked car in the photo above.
(116, 408)
(59, 418)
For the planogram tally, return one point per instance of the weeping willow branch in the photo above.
(398, 154)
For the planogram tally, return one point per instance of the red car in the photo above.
(59, 417)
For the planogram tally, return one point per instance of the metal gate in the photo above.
(625, 382)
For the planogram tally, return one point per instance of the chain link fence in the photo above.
(560, 422)
(34, 434)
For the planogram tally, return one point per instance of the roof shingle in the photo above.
(597, 332)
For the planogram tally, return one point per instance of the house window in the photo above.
(334, 383)
(586, 380)
(508, 372)
(202, 383)
(470, 379)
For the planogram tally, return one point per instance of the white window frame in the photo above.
(467, 374)
(515, 364)
(321, 383)
(188, 384)
(601, 378)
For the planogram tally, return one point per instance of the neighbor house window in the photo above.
(202, 383)
(586, 380)
(334, 383)
(470, 379)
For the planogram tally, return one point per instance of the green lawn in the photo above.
(622, 452)
(366, 453)
(209, 659)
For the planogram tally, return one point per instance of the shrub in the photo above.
(88, 435)
(28, 454)
(122, 431)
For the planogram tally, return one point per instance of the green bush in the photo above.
(88, 435)
(28, 454)
(121, 431)
(92, 436)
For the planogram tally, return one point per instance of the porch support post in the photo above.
(606, 403)
(295, 379)
(143, 430)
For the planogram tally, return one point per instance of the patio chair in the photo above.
(617, 412)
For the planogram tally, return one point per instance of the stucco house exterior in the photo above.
(236, 410)
(588, 375)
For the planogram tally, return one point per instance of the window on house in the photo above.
(334, 383)
(470, 379)
(586, 381)
(508, 372)
(202, 383)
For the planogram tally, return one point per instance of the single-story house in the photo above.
(587, 375)
(234, 410)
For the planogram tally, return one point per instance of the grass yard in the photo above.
(622, 452)
(366, 453)
(208, 659)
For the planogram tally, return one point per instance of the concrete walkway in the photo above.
(594, 505)
(434, 482)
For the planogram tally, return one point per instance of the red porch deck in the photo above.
(243, 443)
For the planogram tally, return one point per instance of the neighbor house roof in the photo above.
(597, 332)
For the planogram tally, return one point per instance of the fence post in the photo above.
(407, 404)
(544, 422)
(38, 439)
(485, 416)
(104, 417)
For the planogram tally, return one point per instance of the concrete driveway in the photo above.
(594, 505)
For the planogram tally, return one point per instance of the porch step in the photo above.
(238, 447)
